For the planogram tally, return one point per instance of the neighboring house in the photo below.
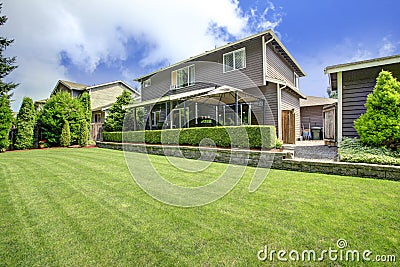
(353, 82)
(251, 81)
(311, 112)
(102, 96)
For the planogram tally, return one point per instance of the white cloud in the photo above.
(95, 32)
(387, 48)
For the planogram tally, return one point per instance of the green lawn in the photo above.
(81, 207)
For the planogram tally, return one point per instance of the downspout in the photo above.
(279, 96)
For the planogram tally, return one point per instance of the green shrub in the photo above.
(230, 136)
(83, 137)
(113, 136)
(26, 120)
(115, 119)
(59, 108)
(86, 105)
(354, 150)
(380, 124)
(65, 138)
(6, 119)
(279, 144)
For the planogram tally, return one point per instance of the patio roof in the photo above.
(225, 94)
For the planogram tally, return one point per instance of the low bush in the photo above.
(231, 136)
(354, 150)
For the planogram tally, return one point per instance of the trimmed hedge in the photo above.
(253, 136)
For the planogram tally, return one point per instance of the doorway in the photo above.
(288, 127)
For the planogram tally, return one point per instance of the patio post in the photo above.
(216, 114)
(224, 114)
(184, 115)
(249, 114)
(171, 117)
(134, 120)
(166, 113)
(196, 113)
(241, 114)
(236, 108)
(263, 111)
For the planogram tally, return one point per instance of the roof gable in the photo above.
(316, 101)
(362, 64)
(272, 38)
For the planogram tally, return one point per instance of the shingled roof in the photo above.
(316, 101)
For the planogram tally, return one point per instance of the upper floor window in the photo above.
(183, 77)
(296, 80)
(146, 83)
(234, 60)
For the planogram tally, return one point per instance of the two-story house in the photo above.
(251, 81)
(102, 97)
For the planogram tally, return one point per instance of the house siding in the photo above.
(209, 72)
(277, 68)
(292, 102)
(105, 95)
(357, 84)
(311, 116)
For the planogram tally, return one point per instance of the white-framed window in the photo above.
(296, 80)
(183, 77)
(234, 60)
(147, 83)
(155, 117)
(97, 117)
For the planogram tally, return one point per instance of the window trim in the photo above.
(234, 65)
(147, 83)
(174, 77)
(296, 80)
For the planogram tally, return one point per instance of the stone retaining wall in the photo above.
(265, 159)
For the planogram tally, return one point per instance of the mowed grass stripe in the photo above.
(50, 223)
(110, 222)
(116, 223)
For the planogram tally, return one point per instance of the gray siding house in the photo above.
(251, 81)
(354, 82)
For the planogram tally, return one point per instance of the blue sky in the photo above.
(92, 42)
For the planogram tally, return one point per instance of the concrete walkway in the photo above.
(315, 150)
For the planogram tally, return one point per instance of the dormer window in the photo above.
(182, 77)
(234, 60)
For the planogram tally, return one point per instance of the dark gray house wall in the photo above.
(357, 84)
(209, 72)
(311, 116)
(277, 68)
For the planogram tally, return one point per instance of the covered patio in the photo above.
(212, 106)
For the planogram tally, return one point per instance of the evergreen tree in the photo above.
(26, 120)
(115, 118)
(57, 109)
(87, 109)
(65, 138)
(6, 63)
(83, 134)
(380, 124)
(6, 119)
